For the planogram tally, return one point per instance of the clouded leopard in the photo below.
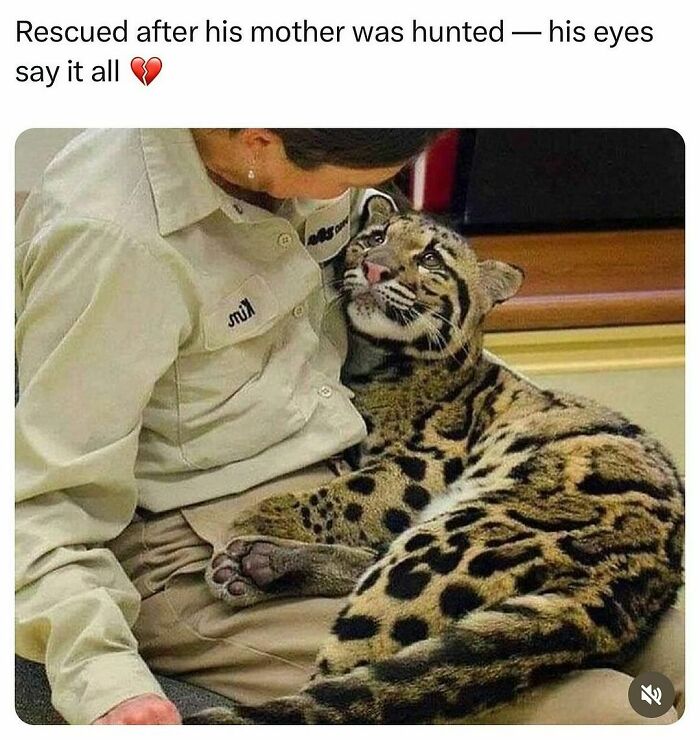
(493, 534)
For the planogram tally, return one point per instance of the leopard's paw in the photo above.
(250, 570)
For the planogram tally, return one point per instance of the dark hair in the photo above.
(359, 148)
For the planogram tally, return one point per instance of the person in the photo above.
(179, 346)
(178, 343)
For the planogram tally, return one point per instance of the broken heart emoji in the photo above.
(146, 71)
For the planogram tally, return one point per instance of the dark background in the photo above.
(534, 180)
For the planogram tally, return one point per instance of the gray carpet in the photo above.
(33, 695)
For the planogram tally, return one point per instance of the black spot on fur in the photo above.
(522, 471)
(416, 496)
(532, 579)
(523, 443)
(452, 469)
(442, 562)
(396, 520)
(555, 524)
(369, 580)
(539, 440)
(662, 513)
(362, 484)
(592, 549)
(456, 601)
(418, 541)
(359, 627)
(509, 539)
(409, 630)
(634, 593)
(353, 512)
(404, 583)
(464, 518)
(482, 472)
(458, 539)
(488, 562)
(596, 484)
(608, 615)
(413, 467)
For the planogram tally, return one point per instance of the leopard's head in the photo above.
(415, 285)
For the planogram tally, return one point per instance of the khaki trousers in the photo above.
(266, 651)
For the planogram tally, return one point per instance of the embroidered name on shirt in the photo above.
(244, 312)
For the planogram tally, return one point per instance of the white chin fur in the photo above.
(369, 319)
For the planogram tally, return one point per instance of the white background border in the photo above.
(522, 83)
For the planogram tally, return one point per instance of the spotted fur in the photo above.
(512, 533)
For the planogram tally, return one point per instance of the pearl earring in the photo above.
(251, 174)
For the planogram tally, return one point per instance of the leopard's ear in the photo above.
(500, 280)
(377, 210)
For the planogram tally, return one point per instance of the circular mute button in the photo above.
(325, 391)
(651, 694)
(284, 240)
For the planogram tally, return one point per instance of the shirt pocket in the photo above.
(246, 313)
(229, 408)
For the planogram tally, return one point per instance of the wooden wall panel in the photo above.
(591, 278)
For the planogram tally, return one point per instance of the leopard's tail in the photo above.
(484, 660)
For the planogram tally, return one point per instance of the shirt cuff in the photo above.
(101, 683)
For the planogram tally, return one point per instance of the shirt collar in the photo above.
(182, 192)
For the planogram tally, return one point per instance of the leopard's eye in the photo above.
(430, 259)
(376, 239)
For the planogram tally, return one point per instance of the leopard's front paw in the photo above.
(248, 570)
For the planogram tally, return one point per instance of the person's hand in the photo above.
(147, 709)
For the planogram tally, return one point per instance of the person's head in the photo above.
(310, 162)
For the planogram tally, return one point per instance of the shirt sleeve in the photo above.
(99, 320)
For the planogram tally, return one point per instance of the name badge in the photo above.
(327, 230)
(243, 314)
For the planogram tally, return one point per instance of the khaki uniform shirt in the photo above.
(175, 344)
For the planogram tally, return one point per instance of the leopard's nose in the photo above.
(375, 273)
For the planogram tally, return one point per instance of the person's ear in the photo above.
(260, 141)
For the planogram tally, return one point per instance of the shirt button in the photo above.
(284, 240)
(298, 311)
(325, 391)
